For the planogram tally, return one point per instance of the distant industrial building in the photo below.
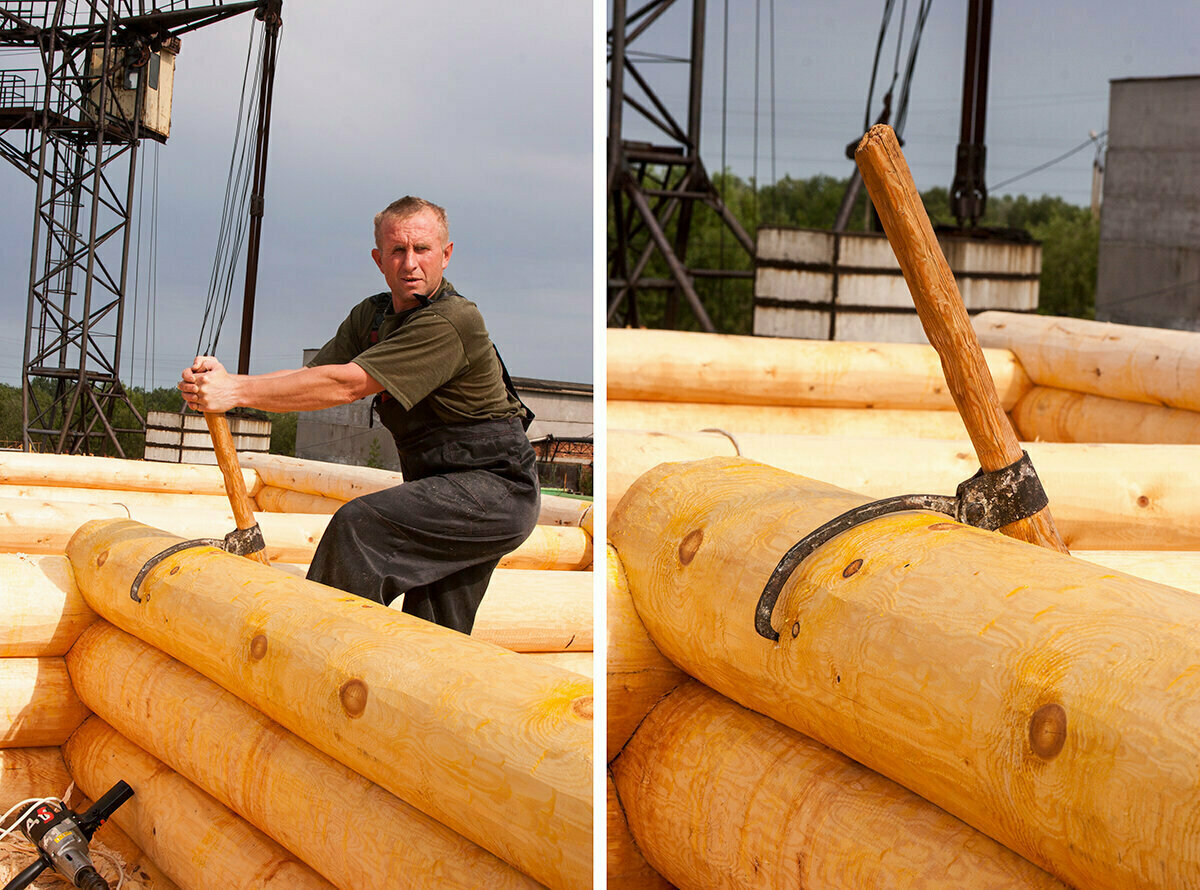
(1149, 263)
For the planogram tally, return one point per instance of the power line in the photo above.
(1040, 167)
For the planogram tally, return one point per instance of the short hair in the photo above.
(407, 206)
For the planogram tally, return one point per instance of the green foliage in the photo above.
(1069, 235)
(373, 453)
(283, 426)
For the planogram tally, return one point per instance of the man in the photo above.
(470, 491)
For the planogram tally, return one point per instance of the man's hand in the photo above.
(206, 386)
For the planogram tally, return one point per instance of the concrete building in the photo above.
(561, 432)
(1149, 263)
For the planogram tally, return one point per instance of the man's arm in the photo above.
(207, 386)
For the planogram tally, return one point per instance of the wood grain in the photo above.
(697, 416)
(197, 841)
(1105, 496)
(43, 610)
(683, 366)
(82, 471)
(1060, 415)
(482, 740)
(719, 797)
(944, 317)
(929, 652)
(638, 674)
(1137, 364)
(282, 785)
(625, 867)
(38, 705)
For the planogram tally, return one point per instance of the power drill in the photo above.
(61, 838)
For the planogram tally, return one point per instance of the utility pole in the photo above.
(74, 125)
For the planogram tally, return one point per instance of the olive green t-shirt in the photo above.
(440, 352)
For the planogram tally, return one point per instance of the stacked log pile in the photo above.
(208, 807)
(1022, 711)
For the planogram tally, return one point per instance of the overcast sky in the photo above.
(1048, 87)
(487, 108)
(483, 107)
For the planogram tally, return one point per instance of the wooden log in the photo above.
(696, 416)
(536, 611)
(1059, 415)
(330, 485)
(46, 527)
(279, 783)
(806, 816)
(638, 674)
(484, 741)
(682, 366)
(43, 610)
(626, 869)
(171, 499)
(1177, 568)
(944, 318)
(582, 663)
(38, 706)
(525, 610)
(273, 499)
(81, 471)
(1137, 364)
(337, 481)
(194, 839)
(1106, 497)
(961, 664)
(31, 772)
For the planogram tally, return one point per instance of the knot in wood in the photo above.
(583, 707)
(258, 647)
(1048, 730)
(102, 558)
(689, 546)
(354, 697)
(852, 568)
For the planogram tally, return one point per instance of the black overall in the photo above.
(470, 495)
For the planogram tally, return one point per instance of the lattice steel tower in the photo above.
(73, 125)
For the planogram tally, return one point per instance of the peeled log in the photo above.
(582, 663)
(43, 610)
(681, 366)
(172, 499)
(695, 416)
(198, 842)
(38, 706)
(626, 868)
(1043, 700)
(638, 674)
(537, 611)
(271, 499)
(31, 772)
(484, 741)
(47, 526)
(1104, 497)
(1117, 361)
(338, 481)
(1059, 415)
(281, 784)
(717, 796)
(1175, 568)
(80, 471)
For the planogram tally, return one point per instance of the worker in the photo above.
(470, 492)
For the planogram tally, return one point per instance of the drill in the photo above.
(61, 837)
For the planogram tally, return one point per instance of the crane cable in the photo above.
(235, 212)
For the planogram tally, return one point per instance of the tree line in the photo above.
(283, 426)
(1069, 235)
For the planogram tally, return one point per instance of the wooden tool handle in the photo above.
(235, 485)
(940, 308)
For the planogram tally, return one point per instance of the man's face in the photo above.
(411, 253)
